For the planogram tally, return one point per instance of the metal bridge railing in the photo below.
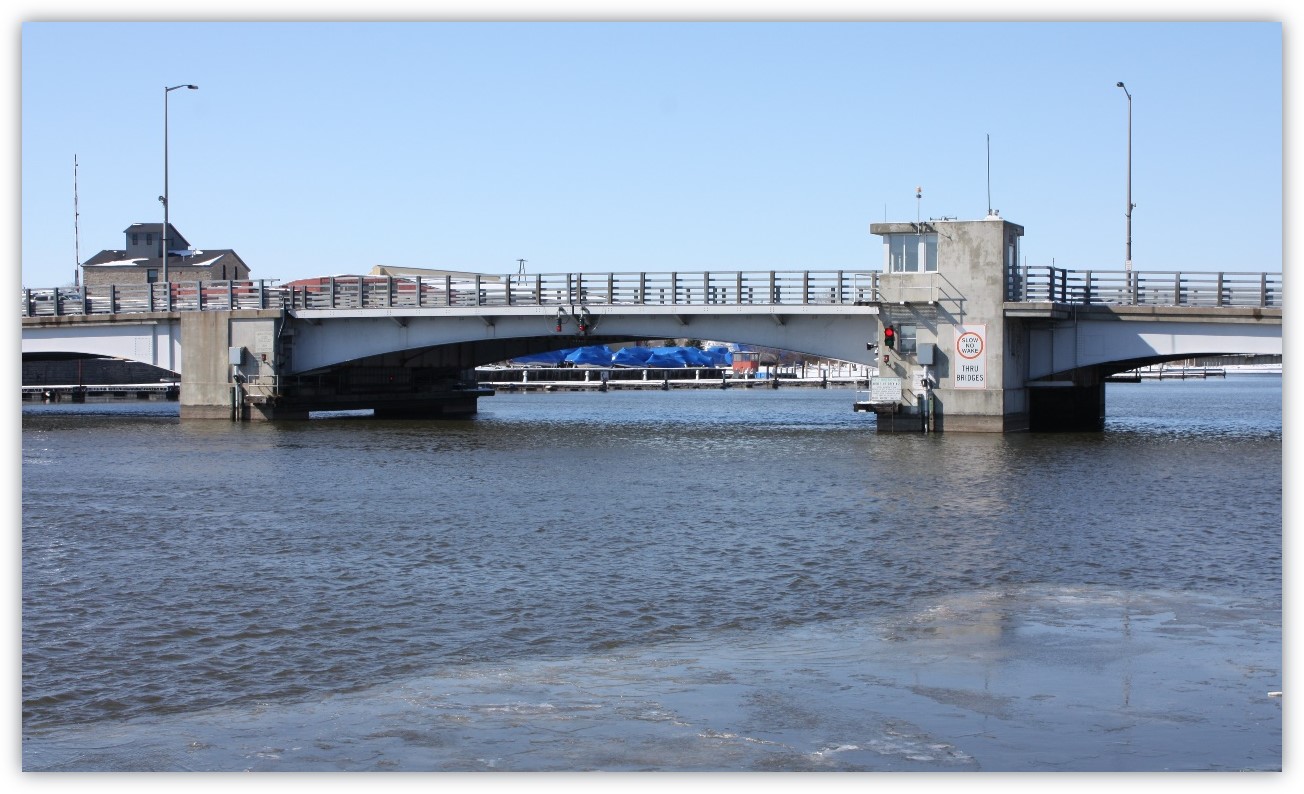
(763, 288)
(559, 289)
(1153, 288)
(136, 299)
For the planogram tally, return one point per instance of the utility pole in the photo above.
(1127, 262)
(76, 229)
(163, 238)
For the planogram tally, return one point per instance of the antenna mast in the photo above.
(76, 232)
(989, 173)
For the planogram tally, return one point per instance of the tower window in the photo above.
(911, 253)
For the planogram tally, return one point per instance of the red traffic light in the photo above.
(889, 336)
(558, 327)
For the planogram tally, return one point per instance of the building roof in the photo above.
(119, 258)
(157, 228)
(425, 272)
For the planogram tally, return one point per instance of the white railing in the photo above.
(139, 298)
(764, 288)
(561, 289)
(1162, 288)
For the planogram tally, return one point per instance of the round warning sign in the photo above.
(971, 357)
(969, 345)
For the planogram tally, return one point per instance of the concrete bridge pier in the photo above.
(239, 366)
(208, 378)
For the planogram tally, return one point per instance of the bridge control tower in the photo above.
(970, 341)
(961, 365)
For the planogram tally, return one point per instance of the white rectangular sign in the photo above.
(884, 390)
(970, 363)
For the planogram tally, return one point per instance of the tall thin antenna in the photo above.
(76, 230)
(989, 173)
(919, 194)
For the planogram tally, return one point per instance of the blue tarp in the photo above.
(631, 357)
(653, 357)
(669, 357)
(592, 356)
(696, 358)
(720, 356)
(552, 358)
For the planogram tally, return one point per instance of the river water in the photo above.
(727, 580)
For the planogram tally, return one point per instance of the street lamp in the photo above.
(1127, 263)
(164, 198)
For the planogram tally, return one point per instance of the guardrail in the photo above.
(564, 289)
(137, 299)
(1162, 288)
(766, 288)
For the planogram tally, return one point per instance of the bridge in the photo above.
(990, 347)
(407, 346)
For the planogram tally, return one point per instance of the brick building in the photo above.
(140, 261)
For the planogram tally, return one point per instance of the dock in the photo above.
(520, 379)
(1167, 373)
(78, 393)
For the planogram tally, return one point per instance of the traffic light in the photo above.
(889, 337)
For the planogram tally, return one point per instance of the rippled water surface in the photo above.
(684, 580)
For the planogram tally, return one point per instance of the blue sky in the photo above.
(316, 148)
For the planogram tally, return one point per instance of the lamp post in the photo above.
(1127, 263)
(164, 198)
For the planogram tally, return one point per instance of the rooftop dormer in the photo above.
(144, 240)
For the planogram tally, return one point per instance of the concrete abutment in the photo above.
(237, 366)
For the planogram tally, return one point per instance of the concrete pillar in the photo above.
(209, 387)
(237, 365)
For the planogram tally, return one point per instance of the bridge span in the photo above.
(976, 344)
(409, 346)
